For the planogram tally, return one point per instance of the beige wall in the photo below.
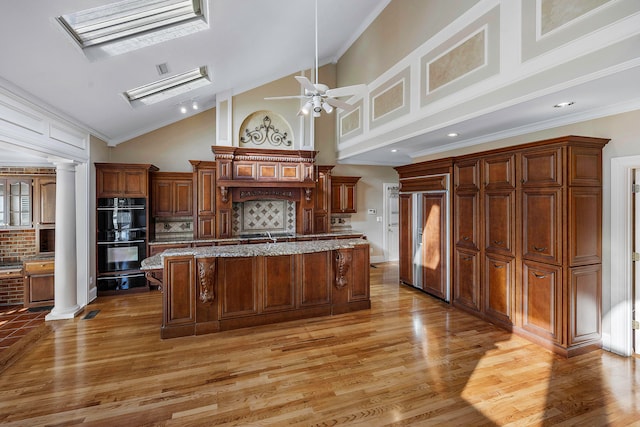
(171, 147)
(401, 27)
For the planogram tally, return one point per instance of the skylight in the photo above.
(131, 24)
(163, 89)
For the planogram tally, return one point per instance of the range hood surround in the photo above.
(249, 174)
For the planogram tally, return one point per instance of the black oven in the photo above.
(120, 256)
(121, 282)
(121, 219)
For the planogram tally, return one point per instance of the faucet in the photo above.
(270, 237)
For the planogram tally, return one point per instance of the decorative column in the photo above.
(65, 281)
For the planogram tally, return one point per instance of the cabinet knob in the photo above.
(539, 249)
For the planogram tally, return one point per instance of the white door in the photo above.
(636, 265)
(390, 221)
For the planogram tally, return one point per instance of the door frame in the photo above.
(620, 339)
(385, 217)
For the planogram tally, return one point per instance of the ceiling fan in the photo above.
(319, 97)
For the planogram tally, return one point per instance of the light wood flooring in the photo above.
(410, 360)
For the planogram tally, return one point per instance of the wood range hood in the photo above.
(244, 174)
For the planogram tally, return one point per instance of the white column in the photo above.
(65, 286)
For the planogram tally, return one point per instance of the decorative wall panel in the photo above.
(350, 124)
(471, 56)
(547, 24)
(461, 60)
(391, 99)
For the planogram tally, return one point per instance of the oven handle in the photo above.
(121, 243)
(120, 276)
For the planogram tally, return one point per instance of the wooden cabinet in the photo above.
(343, 194)
(44, 199)
(123, 179)
(38, 283)
(171, 194)
(527, 235)
(322, 200)
(205, 189)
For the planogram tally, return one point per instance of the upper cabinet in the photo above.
(15, 202)
(343, 194)
(171, 194)
(322, 206)
(122, 180)
(44, 211)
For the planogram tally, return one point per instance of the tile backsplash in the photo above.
(179, 228)
(258, 216)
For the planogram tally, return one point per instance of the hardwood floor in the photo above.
(410, 360)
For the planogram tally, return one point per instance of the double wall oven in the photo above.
(122, 243)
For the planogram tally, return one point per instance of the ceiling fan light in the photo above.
(328, 108)
(317, 105)
(306, 108)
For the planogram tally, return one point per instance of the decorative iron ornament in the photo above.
(266, 132)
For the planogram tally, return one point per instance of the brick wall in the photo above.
(15, 245)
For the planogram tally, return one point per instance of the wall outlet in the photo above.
(378, 219)
(371, 211)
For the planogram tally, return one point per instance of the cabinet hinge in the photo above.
(635, 188)
(635, 324)
(635, 256)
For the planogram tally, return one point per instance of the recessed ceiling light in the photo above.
(183, 109)
(452, 135)
(394, 150)
(563, 104)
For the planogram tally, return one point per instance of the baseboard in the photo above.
(376, 259)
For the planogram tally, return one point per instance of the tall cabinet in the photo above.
(527, 239)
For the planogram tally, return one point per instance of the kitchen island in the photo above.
(217, 288)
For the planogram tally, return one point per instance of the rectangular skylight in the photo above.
(126, 18)
(167, 88)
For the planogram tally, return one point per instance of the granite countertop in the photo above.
(257, 236)
(250, 250)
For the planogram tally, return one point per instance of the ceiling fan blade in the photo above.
(346, 90)
(340, 104)
(270, 98)
(306, 83)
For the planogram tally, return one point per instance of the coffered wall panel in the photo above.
(390, 100)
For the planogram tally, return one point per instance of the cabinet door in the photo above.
(499, 221)
(336, 197)
(359, 283)
(40, 289)
(183, 198)
(279, 283)
(499, 275)
(207, 191)
(585, 304)
(315, 270)
(406, 239)
(499, 172)
(542, 167)
(466, 175)
(585, 226)
(107, 182)
(542, 227)
(46, 202)
(19, 203)
(162, 196)
(466, 284)
(434, 244)
(134, 183)
(349, 198)
(466, 220)
(238, 286)
(542, 300)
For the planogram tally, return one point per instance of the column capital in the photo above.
(63, 164)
